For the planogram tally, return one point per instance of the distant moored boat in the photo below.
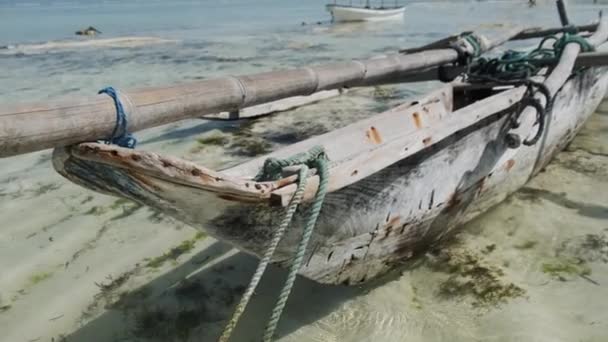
(342, 13)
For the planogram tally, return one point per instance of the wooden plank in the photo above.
(590, 59)
(539, 32)
(276, 106)
(27, 128)
(365, 164)
(360, 136)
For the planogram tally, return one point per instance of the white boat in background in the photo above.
(342, 13)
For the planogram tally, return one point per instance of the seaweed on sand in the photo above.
(110, 294)
(573, 256)
(4, 307)
(175, 252)
(178, 313)
(128, 208)
(565, 269)
(528, 244)
(38, 278)
(384, 93)
(215, 139)
(471, 276)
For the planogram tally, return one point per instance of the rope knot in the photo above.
(463, 48)
(274, 166)
(120, 135)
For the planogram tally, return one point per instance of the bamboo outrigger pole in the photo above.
(34, 127)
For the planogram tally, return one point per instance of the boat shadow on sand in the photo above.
(194, 300)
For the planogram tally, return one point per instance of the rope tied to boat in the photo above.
(120, 135)
(518, 65)
(315, 158)
(516, 68)
(461, 46)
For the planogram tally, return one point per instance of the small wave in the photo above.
(119, 42)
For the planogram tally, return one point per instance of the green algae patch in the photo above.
(165, 324)
(416, 304)
(573, 256)
(383, 93)
(128, 208)
(87, 199)
(3, 306)
(529, 244)
(38, 278)
(46, 188)
(251, 147)
(96, 211)
(159, 318)
(588, 248)
(155, 216)
(566, 269)
(108, 293)
(174, 253)
(120, 203)
(470, 276)
(215, 139)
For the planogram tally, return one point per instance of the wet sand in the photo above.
(76, 44)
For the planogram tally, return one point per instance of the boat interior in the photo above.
(354, 151)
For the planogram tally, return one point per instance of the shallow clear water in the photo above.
(87, 267)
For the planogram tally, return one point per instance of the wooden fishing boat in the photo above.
(398, 182)
(358, 199)
(346, 13)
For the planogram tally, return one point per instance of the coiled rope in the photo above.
(518, 65)
(314, 158)
(516, 68)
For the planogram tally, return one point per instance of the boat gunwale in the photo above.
(237, 187)
(244, 189)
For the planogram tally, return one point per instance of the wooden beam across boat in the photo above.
(530, 33)
(586, 59)
(33, 127)
(539, 32)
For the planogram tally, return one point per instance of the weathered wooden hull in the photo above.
(366, 227)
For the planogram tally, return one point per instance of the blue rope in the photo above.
(120, 136)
